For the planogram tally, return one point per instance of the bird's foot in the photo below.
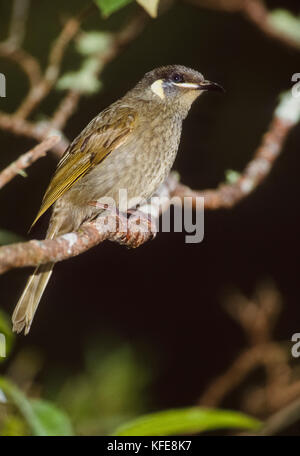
(142, 220)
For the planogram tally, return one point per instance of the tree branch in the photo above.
(114, 227)
(40, 86)
(34, 130)
(34, 252)
(256, 12)
(281, 385)
(27, 63)
(228, 195)
(286, 116)
(41, 90)
(25, 160)
(282, 419)
(17, 27)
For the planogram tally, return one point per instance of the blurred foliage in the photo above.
(104, 399)
(151, 6)
(286, 22)
(7, 237)
(289, 107)
(187, 421)
(91, 45)
(84, 80)
(5, 329)
(93, 42)
(52, 420)
(231, 176)
(12, 425)
(108, 7)
(42, 417)
(109, 391)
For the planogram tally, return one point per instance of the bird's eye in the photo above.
(176, 77)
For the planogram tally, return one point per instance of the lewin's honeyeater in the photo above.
(130, 145)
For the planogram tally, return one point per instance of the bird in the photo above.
(130, 145)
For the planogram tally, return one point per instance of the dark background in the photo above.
(165, 298)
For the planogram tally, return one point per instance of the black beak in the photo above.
(208, 85)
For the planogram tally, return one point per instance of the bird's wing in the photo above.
(101, 136)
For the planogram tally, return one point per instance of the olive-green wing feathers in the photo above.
(101, 136)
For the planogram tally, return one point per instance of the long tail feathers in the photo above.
(31, 296)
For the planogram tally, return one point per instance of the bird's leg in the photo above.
(142, 220)
(105, 207)
(97, 204)
(121, 222)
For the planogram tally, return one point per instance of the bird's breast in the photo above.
(152, 151)
(138, 166)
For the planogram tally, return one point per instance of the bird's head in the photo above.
(174, 85)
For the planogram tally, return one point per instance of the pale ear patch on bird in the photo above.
(157, 88)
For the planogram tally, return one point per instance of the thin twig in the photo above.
(25, 160)
(120, 40)
(256, 12)
(281, 386)
(57, 51)
(125, 36)
(34, 130)
(282, 419)
(17, 124)
(17, 26)
(65, 109)
(228, 195)
(11, 47)
(39, 92)
(27, 63)
(238, 371)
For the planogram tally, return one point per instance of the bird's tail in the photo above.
(31, 296)
(33, 292)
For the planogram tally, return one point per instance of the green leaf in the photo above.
(7, 237)
(85, 80)
(232, 176)
(108, 7)
(13, 426)
(288, 108)
(43, 418)
(93, 43)
(151, 6)
(54, 421)
(23, 404)
(285, 22)
(5, 330)
(186, 421)
(22, 173)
